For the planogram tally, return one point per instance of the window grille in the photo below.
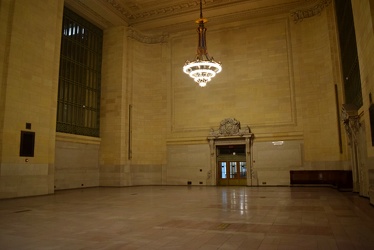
(78, 109)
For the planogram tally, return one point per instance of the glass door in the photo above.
(232, 173)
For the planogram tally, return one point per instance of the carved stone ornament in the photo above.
(351, 121)
(229, 127)
(314, 10)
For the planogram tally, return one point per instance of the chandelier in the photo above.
(204, 68)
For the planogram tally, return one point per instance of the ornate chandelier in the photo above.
(204, 68)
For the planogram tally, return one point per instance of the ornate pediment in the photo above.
(230, 127)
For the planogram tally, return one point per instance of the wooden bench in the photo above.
(341, 179)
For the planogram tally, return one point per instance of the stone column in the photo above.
(352, 124)
(213, 163)
(248, 152)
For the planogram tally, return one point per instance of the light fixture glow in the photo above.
(204, 68)
(278, 143)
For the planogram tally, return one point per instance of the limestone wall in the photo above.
(114, 169)
(278, 78)
(76, 162)
(148, 100)
(133, 119)
(363, 20)
(30, 52)
(188, 163)
(256, 85)
(273, 162)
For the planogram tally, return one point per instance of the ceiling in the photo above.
(157, 16)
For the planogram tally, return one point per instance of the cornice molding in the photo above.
(316, 9)
(244, 15)
(161, 17)
(85, 10)
(126, 14)
(132, 15)
(174, 9)
(149, 39)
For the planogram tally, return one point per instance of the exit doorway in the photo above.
(231, 165)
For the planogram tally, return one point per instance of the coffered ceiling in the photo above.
(168, 15)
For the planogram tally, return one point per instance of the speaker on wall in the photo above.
(27, 143)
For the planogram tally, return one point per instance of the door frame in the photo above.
(246, 139)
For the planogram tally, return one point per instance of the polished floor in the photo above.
(180, 217)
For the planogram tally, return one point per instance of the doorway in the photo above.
(232, 173)
(231, 165)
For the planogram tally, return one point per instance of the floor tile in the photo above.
(179, 217)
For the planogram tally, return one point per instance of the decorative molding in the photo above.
(169, 10)
(118, 7)
(229, 127)
(314, 10)
(86, 10)
(149, 39)
(230, 133)
(134, 13)
(351, 121)
(173, 9)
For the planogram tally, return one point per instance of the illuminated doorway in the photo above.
(231, 165)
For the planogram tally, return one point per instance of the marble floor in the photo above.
(181, 217)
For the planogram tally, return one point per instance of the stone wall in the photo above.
(278, 78)
(274, 160)
(77, 162)
(363, 20)
(114, 168)
(149, 105)
(188, 163)
(30, 53)
(256, 85)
